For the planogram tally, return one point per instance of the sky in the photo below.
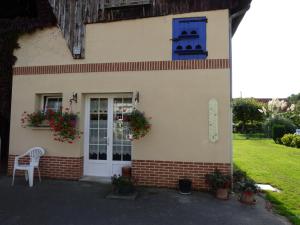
(266, 50)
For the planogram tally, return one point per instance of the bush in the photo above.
(277, 133)
(296, 141)
(245, 112)
(283, 126)
(248, 128)
(287, 139)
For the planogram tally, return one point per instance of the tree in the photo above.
(294, 98)
(246, 112)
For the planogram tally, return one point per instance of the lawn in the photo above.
(267, 162)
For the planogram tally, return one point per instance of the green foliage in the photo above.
(293, 116)
(62, 124)
(294, 98)
(283, 126)
(139, 124)
(248, 185)
(34, 119)
(238, 175)
(217, 180)
(249, 128)
(246, 111)
(296, 141)
(287, 139)
(278, 131)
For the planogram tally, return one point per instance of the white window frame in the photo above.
(44, 100)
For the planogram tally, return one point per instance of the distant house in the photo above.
(174, 56)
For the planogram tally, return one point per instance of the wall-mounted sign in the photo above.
(213, 120)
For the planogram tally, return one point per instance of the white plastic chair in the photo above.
(34, 154)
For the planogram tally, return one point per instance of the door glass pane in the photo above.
(93, 152)
(127, 153)
(94, 121)
(103, 121)
(103, 105)
(102, 136)
(94, 136)
(98, 129)
(117, 153)
(121, 142)
(102, 152)
(94, 105)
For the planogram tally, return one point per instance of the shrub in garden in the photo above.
(296, 141)
(246, 112)
(287, 139)
(277, 133)
(283, 126)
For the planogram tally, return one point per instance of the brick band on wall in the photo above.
(69, 168)
(123, 66)
(167, 173)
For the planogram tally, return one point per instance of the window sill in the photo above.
(41, 128)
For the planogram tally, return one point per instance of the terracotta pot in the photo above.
(248, 198)
(222, 193)
(126, 171)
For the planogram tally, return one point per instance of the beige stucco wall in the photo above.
(132, 40)
(177, 101)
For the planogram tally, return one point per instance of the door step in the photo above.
(102, 180)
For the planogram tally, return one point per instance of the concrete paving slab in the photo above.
(267, 187)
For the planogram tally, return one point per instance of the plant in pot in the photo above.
(122, 185)
(238, 177)
(185, 186)
(139, 124)
(34, 119)
(219, 184)
(248, 190)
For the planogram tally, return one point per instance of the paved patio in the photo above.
(55, 202)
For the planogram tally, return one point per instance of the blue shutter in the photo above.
(189, 38)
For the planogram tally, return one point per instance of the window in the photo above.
(189, 38)
(53, 102)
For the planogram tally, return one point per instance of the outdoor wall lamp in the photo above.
(73, 98)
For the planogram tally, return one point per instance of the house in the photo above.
(169, 59)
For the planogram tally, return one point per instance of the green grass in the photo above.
(267, 162)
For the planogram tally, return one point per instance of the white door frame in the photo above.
(108, 167)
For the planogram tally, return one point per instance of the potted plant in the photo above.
(185, 186)
(62, 124)
(248, 190)
(139, 124)
(122, 185)
(219, 184)
(34, 119)
(238, 177)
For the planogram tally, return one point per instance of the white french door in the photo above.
(107, 144)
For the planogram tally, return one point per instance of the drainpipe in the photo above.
(240, 13)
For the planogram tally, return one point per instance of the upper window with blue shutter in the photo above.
(189, 38)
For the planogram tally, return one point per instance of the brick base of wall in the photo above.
(167, 173)
(69, 168)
